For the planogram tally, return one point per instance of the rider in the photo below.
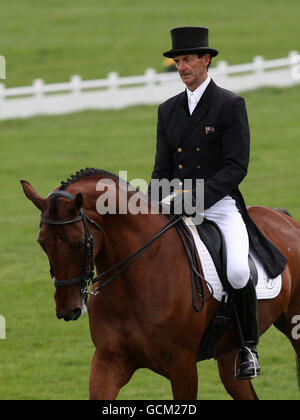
(203, 133)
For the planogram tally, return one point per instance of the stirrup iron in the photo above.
(256, 374)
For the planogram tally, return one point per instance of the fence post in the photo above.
(38, 91)
(295, 65)
(112, 80)
(75, 84)
(38, 87)
(2, 328)
(150, 77)
(258, 63)
(222, 71)
(2, 98)
(2, 67)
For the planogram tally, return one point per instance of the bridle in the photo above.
(88, 276)
(87, 279)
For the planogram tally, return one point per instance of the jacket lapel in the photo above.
(189, 122)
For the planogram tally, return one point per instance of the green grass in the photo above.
(43, 358)
(56, 39)
(278, 380)
(274, 177)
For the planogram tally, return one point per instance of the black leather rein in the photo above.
(87, 278)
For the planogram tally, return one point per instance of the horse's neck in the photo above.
(122, 233)
(104, 202)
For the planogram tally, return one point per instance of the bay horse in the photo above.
(144, 317)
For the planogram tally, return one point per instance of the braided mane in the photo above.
(76, 177)
(84, 173)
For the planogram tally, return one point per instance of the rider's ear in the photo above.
(78, 201)
(32, 195)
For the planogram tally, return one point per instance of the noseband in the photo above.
(87, 278)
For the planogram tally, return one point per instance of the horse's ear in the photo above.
(78, 201)
(33, 196)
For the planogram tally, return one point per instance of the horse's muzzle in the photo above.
(72, 315)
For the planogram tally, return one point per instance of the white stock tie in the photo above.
(192, 103)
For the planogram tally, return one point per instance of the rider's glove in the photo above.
(183, 204)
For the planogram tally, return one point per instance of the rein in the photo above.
(88, 278)
(134, 256)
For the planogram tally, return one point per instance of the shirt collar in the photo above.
(200, 89)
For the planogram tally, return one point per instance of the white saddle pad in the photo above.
(266, 288)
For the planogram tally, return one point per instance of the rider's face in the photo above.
(192, 69)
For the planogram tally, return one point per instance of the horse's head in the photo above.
(65, 237)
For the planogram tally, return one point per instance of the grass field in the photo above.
(43, 358)
(54, 40)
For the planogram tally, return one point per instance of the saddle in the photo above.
(213, 239)
(213, 242)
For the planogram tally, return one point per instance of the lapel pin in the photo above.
(209, 129)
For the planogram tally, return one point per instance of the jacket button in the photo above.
(179, 149)
(180, 166)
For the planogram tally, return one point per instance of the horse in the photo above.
(143, 317)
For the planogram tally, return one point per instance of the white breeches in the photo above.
(227, 216)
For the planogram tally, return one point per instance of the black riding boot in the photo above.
(245, 301)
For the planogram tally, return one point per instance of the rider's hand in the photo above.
(184, 204)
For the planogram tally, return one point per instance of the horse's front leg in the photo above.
(184, 377)
(107, 377)
(238, 389)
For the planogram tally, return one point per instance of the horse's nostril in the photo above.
(75, 314)
(58, 316)
(69, 316)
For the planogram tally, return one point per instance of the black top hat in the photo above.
(189, 40)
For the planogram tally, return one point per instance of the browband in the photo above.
(60, 193)
(64, 194)
(60, 221)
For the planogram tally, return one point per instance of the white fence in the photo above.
(151, 88)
